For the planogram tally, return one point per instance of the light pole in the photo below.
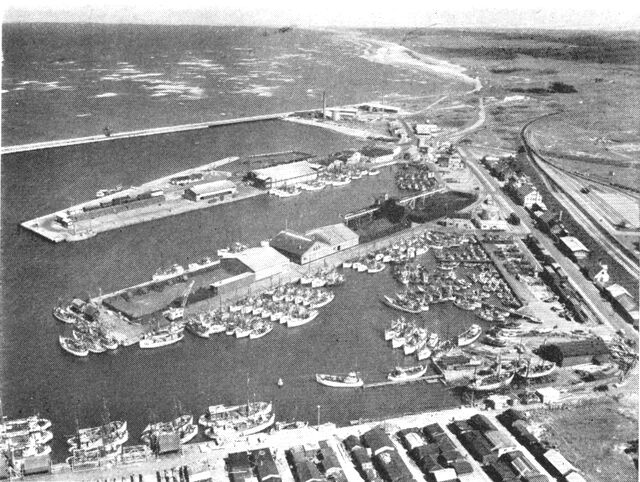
(318, 417)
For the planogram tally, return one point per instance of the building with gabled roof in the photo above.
(314, 244)
(574, 247)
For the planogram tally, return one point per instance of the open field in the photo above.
(593, 437)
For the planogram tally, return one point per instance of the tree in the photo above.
(513, 219)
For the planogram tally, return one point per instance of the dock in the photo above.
(37, 146)
(387, 383)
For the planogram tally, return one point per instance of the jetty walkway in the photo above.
(36, 146)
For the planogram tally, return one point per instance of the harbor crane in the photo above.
(175, 313)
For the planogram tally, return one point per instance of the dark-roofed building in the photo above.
(265, 466)
(378, 441)
(527, 195)
(305, 470)
(433, 432)
(329, 460)
(573, 352)
(519, 463)
(392, 467)
(239, 466)
(462, 467)
(351, 442)
(460, 426)
(482, 423)
(478, 446)
(411, 440)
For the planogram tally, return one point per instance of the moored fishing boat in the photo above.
(530, 371)
(23, 426)
(402, 374)
(232, 429)
(73, 346)
(302, 319)
(470, 335)
(401, 306)
(162, 337)
(262, 329)
(216, 414)
(109, 435)
(65, 314)
(492, 382)
(348, 380)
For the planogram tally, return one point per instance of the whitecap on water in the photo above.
(106, 94)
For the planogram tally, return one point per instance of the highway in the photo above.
(587, 290)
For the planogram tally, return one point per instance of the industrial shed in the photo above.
(283, 175)
(263, 261)
(314, 244)
(574, 247)
(624, 303)
(216, 190)
(557, 463)
(573, 352)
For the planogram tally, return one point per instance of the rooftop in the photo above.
(214, 186)
(333, 234)
(292, 242)
(574, 244)
(260, 258)
(285, 171)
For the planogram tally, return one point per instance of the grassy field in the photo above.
(593, 438)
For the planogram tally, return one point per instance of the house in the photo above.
(265, 466)
(338, 113)
(527, 195)
(575, 352)
(378, 441)
(376, 107)
(574, 247)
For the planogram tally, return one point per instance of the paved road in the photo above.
(601, 308)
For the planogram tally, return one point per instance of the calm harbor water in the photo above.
(38, 376)
(62, 81)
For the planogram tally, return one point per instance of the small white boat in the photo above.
(349, 380)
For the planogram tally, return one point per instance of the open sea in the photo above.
(63, 81)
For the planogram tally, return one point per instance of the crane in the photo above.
(174, 313)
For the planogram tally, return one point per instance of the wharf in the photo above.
(37, 146)
(387, 383)
(174, 203)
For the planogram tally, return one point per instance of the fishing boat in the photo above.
(108, 191)
(109, 435)
(424, 353)
(348, 380)
(217, 414)
(182, 425)
(198, 328)
(376, 267)
(470, 335)
(494, 340)
(492, 382)
(403, 374)
(19, 455)
(165, 273)
(73, 346)
(347, 264)
(65, 315)
(302, 319)
(530, 371)
(261, 330)
(401, 306)
(236, 247)
(23, 426)
(229, 430)
(324, 299)
(162, 337)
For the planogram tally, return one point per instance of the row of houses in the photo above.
(251, 466)
(436, 454)
(499, 455)
(557, 279)
(552, 460)
(380, 459)
(315, 464)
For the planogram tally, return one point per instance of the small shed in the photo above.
(40, 464)
(444, 475)
(548, 394)
(574, 477)
(574, 247)
(166, 442)
(557, 461)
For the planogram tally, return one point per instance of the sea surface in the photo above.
(71, 80)
(36, 375)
